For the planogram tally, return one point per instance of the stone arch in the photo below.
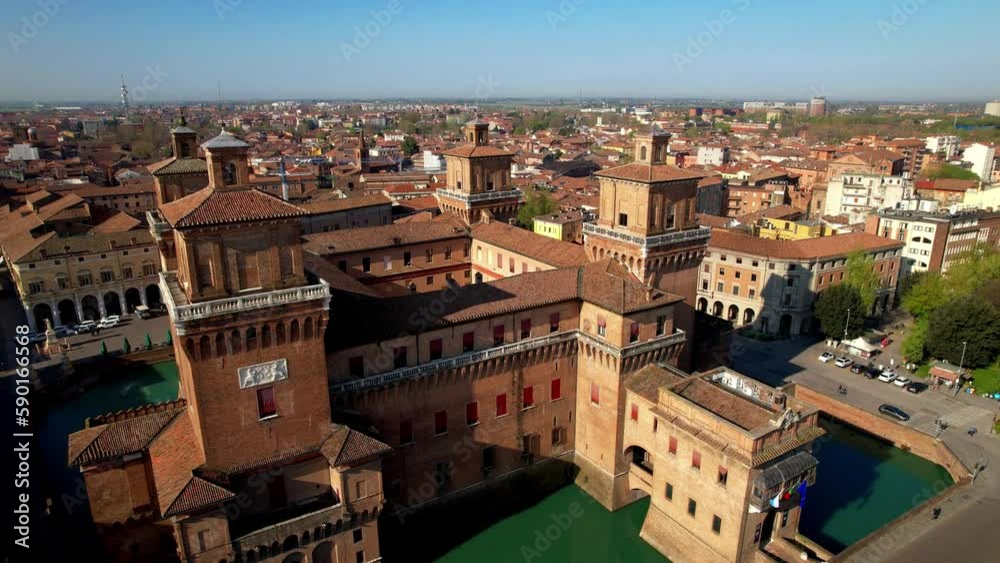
(294, 558)
(265, 336)
(308, 328)
(748, 315)
(306, 537)
(734, 313)
(220, 345)
(290, 543)
(67, 312)
(189, 346)
(293, 333)
(703, 305)
(91, 310)
(153, 299)
(133, 299)
(717, 309)
(328, 528)
(251, 338)
(235, 341)
(322, 553)
(251, 556)
(280, 333)
(112, 303)
(205, 347)
(42, 312)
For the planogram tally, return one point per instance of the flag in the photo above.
(776, 500)
(802, 494)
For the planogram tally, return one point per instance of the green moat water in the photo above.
(863, 484)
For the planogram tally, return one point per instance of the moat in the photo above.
(863, 484)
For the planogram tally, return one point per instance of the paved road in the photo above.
(964, 531)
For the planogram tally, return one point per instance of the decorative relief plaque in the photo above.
(260, 374)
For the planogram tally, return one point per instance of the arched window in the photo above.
(251, 338)
(309, 328)
(206, 347)
(265, 336)
(237, 344)
(293, 334)
(220, 345)
(280, 333)
(642, 153)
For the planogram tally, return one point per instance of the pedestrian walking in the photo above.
(935, 514)
(972, 431)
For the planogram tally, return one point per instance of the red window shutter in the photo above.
(602, 322)
(556, 389)
(472, 413)
(501, 404)
(529, 396)
(468, 341)
(673, 445)
(499, 260)
(440, 422)
(525, 328)
(595, 394)
(498, 334)
(510, 265)
(266, 405)
(554, 322)
(634, 332)
(405, 432)
(635, 412)
(437, 348)
(696, 459)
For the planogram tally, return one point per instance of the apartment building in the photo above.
(933, 241)
(857, 195)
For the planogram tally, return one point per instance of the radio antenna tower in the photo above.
(125, 98)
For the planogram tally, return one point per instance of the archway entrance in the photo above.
(153, 300)
(748, 316)
(42, 312)
(717, 309)
(785, 326)
(67, 312)
(91, 310)
(479, 277)
(703, 305)
(133, 299)
(112, 303)
(734, 313)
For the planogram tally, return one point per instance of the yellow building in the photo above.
(566, 226)
(780, 229)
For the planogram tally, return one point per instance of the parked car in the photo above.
(143, 312)
(872, 372)
(887, 376)
(843, 362)
(858, 368)
(826, 357)
(85, 327)
(894, 412)
(109, 321)
(916, 387)
(901, 381)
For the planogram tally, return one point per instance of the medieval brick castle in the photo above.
(323, 378)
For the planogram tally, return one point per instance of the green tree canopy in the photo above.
(409, 146)
(925, 295)
(832, 311)
(861, 275)
(950, 171)
(536, 202)
(969, 322)
(915, 345)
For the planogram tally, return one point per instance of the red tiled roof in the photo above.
(345, 203)
(639, 172)
(820, 247)
(554, 252)
(347, 446)
(721, 402)
(213, 206)
(198, 493)
(476, 151)
(116, 439)
(384, 236)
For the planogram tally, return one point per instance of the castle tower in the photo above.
(647, 222)
(184, 140)
(361, 157)
(226, 157)
(183, 173)
(479, 178)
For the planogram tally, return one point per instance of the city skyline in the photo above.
(575, 48)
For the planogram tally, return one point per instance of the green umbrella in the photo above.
(149, 342)
(126, 347)
(170, 338)
(104, 349)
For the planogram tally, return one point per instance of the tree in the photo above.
(915, 345)
(409, 146)
(925, 295)
(149, 342)
(968, 322)
(832, 308)
(861, 275)
(126, 346)
(952, 172)
(536, 203)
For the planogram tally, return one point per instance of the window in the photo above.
(661, 325)
(149, 269)
(692, 507)
(753, 293)
(85, 280)
(499, 260)
(633, 332)
(602, 326)
(716, 524)
(356, 366)
(387, 262)
(791, 282)
(357, 535)
(266, 407)
(736, 290)
(498, 335)
(63, 283)
(366, 264)
(447, 253)
(430, 280)
(634, 414)
(127, 272)
(554, 322)
(669, 493)
(529, 397)
(468, 341)
(342, 265)
(525, 328)
(673, 445)
(472, 413)
(656, 424)
(623, 219)
(719, 287)
(440, 423)
(510, 265)
(359, 557)
(489, 457)
(696, 460)
(405, 432)
(436, 348)
(704, 284)
(595, 394)
(736, 275)
(399, 357)
(723, 476)
(429, 254)
(501, 405)
(722, 271)
(407, 259)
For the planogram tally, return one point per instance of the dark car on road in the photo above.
(916, 387)
(894, 412)
(858, 368)
(872, 372)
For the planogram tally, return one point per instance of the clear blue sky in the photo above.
(271, 49)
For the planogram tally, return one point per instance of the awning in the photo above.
(788, 470)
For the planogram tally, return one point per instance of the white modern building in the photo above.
(983, 160)
(22, 152)
(948, 145)
(857, 195)
(712, 156)
(993, 108)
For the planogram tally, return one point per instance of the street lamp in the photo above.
(961, 363)
(847, 324)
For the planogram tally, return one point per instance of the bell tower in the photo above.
(479, 178)
(361, 156)
(227, 161)
(184, 140)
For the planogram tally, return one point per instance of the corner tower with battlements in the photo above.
(479, 178)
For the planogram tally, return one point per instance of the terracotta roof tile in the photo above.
(476, 151)
(639, 172)
(554, 252)
(385, 236)
(198, 493)
(724, 403)
(119, 438)
(347, 446)
(345, 203)
(174, 165)
(820, 247)
(212, 206)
